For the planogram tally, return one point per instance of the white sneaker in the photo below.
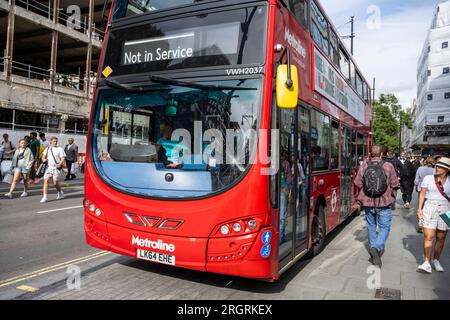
(437, 266)
(44, 200)
(24, 195)
(9, 195)
(425, 268)
(60, 196)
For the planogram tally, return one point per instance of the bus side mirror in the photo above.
(287, 87)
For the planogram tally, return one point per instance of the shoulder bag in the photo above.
(42, 168)
(444, 216)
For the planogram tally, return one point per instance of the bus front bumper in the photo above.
(244, 256)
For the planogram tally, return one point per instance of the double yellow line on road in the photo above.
(56, 267)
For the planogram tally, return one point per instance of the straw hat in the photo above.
(444, 163)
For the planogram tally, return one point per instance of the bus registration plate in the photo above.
(156, 257)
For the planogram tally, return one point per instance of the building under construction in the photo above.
(49, 55)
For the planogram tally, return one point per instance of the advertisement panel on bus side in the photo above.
(332, 86)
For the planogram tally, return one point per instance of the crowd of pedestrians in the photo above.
(34, 159)
(378, 181)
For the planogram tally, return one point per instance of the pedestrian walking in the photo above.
(407, 176)
(43, 140)
(390, 157)
(55, 158)
(426, 170)
(436, 196)
(8, 148)
(34, 147)
(71, 151)
(22, 162)
(376, 181)
(402, 157)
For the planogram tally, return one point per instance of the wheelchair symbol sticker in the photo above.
(266, 237)
(265, 251)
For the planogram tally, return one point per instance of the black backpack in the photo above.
(375, 180)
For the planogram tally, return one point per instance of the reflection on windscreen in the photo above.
(199, 136)
(134, 7)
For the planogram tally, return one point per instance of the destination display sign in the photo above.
(332, 86)
(231, 38)
(188, 43)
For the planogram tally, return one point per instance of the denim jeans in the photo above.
(381, 217)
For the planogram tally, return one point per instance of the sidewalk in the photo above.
(341, 271)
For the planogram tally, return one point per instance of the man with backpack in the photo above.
(377, 181)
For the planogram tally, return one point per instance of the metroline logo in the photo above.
(158, 244)
(294, 42)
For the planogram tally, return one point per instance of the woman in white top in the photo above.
(433, 189)
(55, 158)
(425, 170)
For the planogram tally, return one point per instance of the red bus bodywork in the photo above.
(197, 243)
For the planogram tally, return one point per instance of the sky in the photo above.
(390, 36)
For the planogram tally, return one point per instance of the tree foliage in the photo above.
(387, 117)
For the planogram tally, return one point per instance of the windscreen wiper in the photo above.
(180, 83)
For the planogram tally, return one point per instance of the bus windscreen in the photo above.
(177, 141)
(234, 37)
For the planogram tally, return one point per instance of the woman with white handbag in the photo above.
(22, 162)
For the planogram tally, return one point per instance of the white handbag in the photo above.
(6, 166)
(74, 168)
(9, 178)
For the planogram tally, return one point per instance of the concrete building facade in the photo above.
(49, 52)
(432, 125)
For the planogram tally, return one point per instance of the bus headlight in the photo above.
(252, 224)
(91, 207)
(225, 230)
(237, 227)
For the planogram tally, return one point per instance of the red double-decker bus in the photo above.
(224, 135)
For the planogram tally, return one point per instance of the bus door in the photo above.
(303, 179)
(346, 170)
(293, 216)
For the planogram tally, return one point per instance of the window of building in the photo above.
(446, 70)
(429, 49)
(319, 28)
(6, 118)
(334, 145)
(344, 64)
(441, 119)
(430, 97)
(334, 48)
(429, 73)
(447, 95)
(300, 10)
(445, 45)
(79, 126)
(320, 141)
